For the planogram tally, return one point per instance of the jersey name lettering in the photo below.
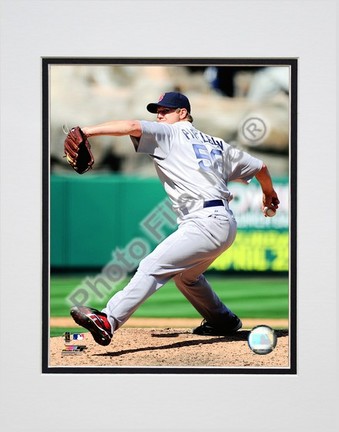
(201, 137)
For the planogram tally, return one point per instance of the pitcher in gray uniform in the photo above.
(195, 170)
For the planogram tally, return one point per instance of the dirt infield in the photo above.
(148, 343)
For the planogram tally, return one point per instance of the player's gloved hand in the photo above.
(78, 150)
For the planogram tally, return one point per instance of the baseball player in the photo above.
(195, 169)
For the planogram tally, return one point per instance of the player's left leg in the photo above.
(218, 318)
(195, 287)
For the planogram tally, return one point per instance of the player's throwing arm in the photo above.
(270, 200)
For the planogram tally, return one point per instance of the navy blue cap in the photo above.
(170, 100)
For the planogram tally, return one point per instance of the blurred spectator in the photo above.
(223, 79)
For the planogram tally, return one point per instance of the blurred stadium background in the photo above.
(124, 189)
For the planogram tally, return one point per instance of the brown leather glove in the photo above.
(78, 151)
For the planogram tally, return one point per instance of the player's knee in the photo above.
(187, 280)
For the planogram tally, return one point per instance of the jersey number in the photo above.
(208, 160)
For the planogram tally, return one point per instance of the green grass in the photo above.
(249, 297)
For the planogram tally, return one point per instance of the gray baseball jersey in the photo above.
(195, 169)
(192, 165)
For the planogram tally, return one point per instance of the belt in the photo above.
(213, 203)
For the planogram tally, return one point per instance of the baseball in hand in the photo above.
(269, 211)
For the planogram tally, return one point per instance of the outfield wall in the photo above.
(100, 219)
